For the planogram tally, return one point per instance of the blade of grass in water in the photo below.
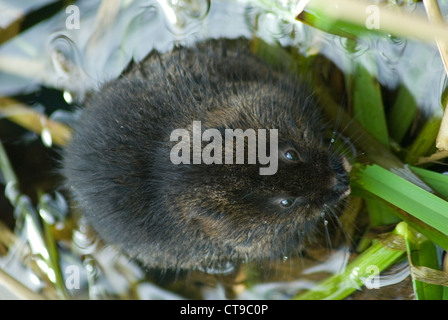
(401, 114)
(410, 198)
(50, 243)
(422, 253)
(396, 22)
(32, 120)
(425, 141)
(41, 241)
(19, 290)
(6, 169)
(351, 18)
(368, 103)
(380, 214)
(368, 109)
(437, 181)
(364, 270)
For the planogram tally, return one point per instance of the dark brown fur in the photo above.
(185, 216)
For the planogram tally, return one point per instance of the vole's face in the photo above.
(308, 180)
(267, 214)
(255, 209)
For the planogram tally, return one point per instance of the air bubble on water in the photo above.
(42, 264)
(51, 275)
(97, 289)
(68, 97)
(91, 267)
(83, 241)
(12, 192)
(170, 14)
(269, 24)
(197, 9)
(181, 16)
(63, 55)
(68, 71)
(354, 48)
(53, 210)
(47, 216)
(46, 137)
(34, 279)
(60, 202)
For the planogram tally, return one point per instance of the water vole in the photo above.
(168, 215)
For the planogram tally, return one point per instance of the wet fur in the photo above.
(184, 216)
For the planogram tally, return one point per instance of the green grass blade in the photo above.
(53, 252)
(388, 20)
(401, 114)
(433, 234)
(368, 106)
(437, 181)
(380, 213)
(12, 191)
(425, 141)
(362, 271)
(423, 253)
(405, 195)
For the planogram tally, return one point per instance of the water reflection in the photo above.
(182, 16)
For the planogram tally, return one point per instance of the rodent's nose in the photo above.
(342, 188)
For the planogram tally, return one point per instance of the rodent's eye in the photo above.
(286, 203)
(292, 155)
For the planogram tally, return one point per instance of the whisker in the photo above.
(327, 232)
